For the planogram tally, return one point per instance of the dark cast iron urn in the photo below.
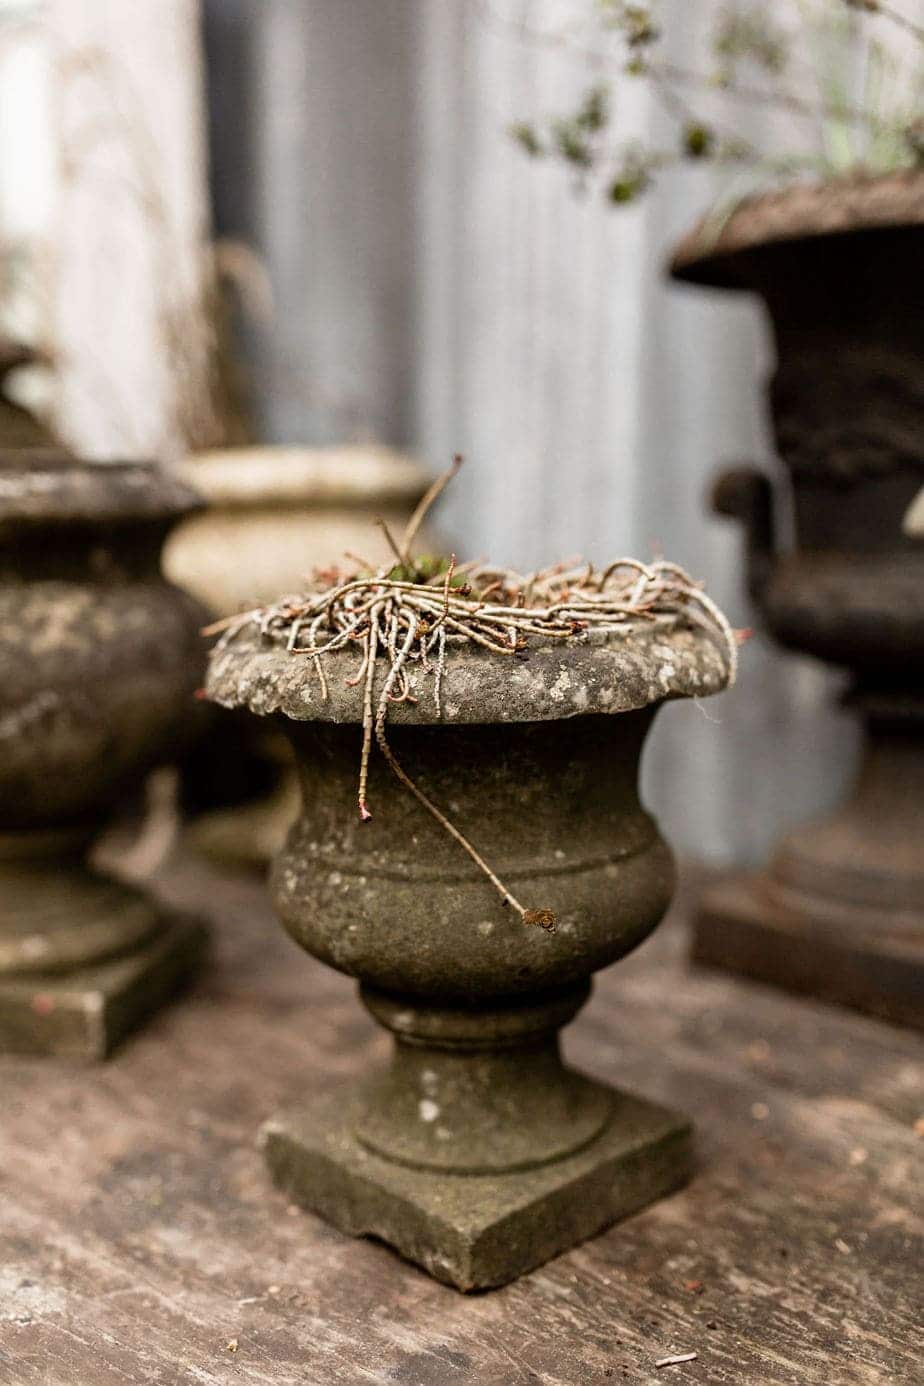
(99, 660)
(839, 910)
(477, 1152)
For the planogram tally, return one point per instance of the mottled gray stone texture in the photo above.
(666, 659)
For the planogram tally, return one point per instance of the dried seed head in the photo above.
(545, 919)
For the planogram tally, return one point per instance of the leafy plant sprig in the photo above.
(803, 71)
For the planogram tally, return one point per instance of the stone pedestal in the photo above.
(84, 959)
(477, 1152)
(477, 1231)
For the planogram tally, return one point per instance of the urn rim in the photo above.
(39, 488)
(668, 659)
(804, 211)
(263, 475)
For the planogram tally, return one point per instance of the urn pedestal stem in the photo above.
(477, 1152)
(479, 1091)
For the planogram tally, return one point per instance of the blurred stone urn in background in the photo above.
(839, 911)
(99, 661)
(476, 1152)
(274, 514)
(19, 427)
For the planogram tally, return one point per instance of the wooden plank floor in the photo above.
(141, 1242)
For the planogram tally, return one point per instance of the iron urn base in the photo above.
(742, 926)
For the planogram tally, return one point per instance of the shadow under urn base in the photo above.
(477, 1152)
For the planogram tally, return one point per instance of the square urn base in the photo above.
(739, 927)
(84, 1013)
(477, 1231)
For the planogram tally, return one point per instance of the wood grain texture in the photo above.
(140, 1237)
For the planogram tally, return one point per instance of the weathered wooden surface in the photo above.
(140, 1240)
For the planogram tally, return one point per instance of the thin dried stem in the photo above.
(424, 506)
(392, 542)
(544, 918)
(367, 719)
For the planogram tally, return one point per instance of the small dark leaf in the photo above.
(526, 137)
(628, 185)
(749, 36)
(639, 26)
(594, 111)
(698, 140)
(571, 143)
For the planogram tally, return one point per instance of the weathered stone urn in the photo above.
(99, 659)
(274, 514)
(477, 1152)
(839, 911)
